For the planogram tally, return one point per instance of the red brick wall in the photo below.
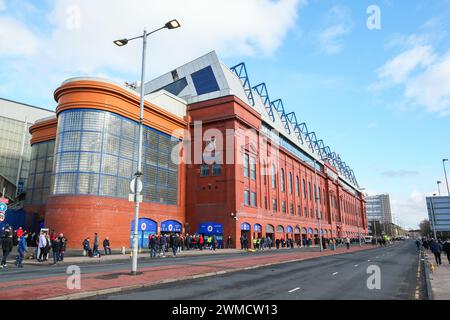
(81, 216)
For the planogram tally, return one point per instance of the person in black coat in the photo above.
(436, 248)
(446, 249)
(7, 246)
(107, 246)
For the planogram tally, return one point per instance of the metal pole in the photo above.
(433, 219)
(439, 189)
(316, 194)
(138, 173)
(445, 173)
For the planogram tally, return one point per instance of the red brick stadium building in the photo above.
(219, 158)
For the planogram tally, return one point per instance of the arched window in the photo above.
(282, 180)
(274, 177)
(290, 182)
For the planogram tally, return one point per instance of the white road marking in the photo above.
(356, 265)
(335, 273)
(368, 260)
(295, 289)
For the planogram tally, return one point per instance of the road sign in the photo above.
(139, 186)
(3, 207)
(2, 217)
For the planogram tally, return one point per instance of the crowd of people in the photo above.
(436, 247)
(42, 244)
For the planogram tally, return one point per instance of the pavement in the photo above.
(439, 276)
(50, 282)
(329, 277)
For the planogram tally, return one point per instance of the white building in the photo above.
(439, 213)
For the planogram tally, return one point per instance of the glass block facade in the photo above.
(14, 134)
(96, 154)
(41, 168)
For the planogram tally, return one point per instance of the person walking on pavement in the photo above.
(201, 242)
(95, 251)
(162, 245)
(347, 243)
(436, 248)
(229, 242)
(107, 246)
(213, 242)
(42, 247)
(152, 246)
(418, 244)
(175, 245)
(7, 246)
(55, 250)
(62, 246)
(446, 249)
(21, 249)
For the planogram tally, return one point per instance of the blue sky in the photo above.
(380, 98)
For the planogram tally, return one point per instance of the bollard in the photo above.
(123, 250)
(84, 253)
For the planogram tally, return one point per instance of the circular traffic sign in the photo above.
(133, 184)
(2, 217)
(3, 207)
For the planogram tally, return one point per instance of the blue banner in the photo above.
(210, 228)
(171, 226)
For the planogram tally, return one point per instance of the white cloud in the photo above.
(424, 75)
(81, 32)
(432, 88)
(410, 210)
(15, 38)
(338, 23)
(399, 68)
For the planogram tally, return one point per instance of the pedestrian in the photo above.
(152, 246)
(418, 244)
(21, 249)
(107, 246)
(162, 245)
(175, 244)
(19, 232)
(277, 243)
(214, 242)
(42, 247)
(347, 242)
(95, 251)
(55, 249)
(201, 242)
(436, 248)
(87, 247)
(7, 246)
(446, 249)
(229, 242)
(245, 242)
(62, 246)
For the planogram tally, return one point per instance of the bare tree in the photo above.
(425, 228)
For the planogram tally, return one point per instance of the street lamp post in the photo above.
(173, 24)
(433, 217)
(445, 173)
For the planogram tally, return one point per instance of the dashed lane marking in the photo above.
(335, 273)
(356, 265)
(293, 290)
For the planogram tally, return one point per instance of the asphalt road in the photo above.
(46, 271)
(334, 277)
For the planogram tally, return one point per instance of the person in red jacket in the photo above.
(201, 242)
(19, 232)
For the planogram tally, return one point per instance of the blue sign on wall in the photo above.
(3, 207)
(210, 228)
(289, 229)
(257, 227)
(146, 227)
(245, 226)
(171, 226)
